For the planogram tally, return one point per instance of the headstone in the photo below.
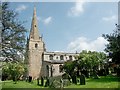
(61, 83)
(47, 83)
(82, 79)
(42, 81)
(30, 79)
(75, 79)
(37, 81)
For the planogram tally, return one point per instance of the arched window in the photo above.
(36, 45)
(60, 68)
(70, 57)
(61, 57)
(51, 57)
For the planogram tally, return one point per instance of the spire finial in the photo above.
(34, 10)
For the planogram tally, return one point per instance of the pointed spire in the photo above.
(34, 33)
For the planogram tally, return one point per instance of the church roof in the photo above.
(56, 61)
(60, 53)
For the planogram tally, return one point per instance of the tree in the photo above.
(13, 70)
(69, 68)
(12, 34)
(86, 61)
(113, 47)
(91, 60)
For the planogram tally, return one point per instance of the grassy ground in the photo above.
(102, 82)
(20, 84)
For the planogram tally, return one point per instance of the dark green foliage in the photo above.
(113, 47)
(12, 34)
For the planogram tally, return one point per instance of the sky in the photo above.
(70, 26)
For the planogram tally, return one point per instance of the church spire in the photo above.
(34, 33)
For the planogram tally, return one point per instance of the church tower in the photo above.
(36, 49)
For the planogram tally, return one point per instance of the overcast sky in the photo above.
(71, 26)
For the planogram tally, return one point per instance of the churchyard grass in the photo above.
(20, 84)
(102, 82)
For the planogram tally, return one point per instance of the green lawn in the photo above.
(20, 84)
(102, 82)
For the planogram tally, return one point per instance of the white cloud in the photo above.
(110, 18)
(83, 43)
(77, 9)
(21, 8)
(47, 20)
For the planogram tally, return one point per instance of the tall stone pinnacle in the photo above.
(34, 33)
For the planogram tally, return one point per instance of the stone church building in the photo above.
(42, 62)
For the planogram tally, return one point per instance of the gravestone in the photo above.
(47, 83)
(30, 79)
(61, 83)
(82, 79)
(42, 81)
(38, 81)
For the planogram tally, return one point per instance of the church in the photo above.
(40, 61)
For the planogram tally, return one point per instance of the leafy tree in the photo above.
(12, 34)
(69, 67)
(113, 47)
(87, 60)
(90, 60)
(13, 70)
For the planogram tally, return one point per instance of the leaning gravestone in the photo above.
(82, 79)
